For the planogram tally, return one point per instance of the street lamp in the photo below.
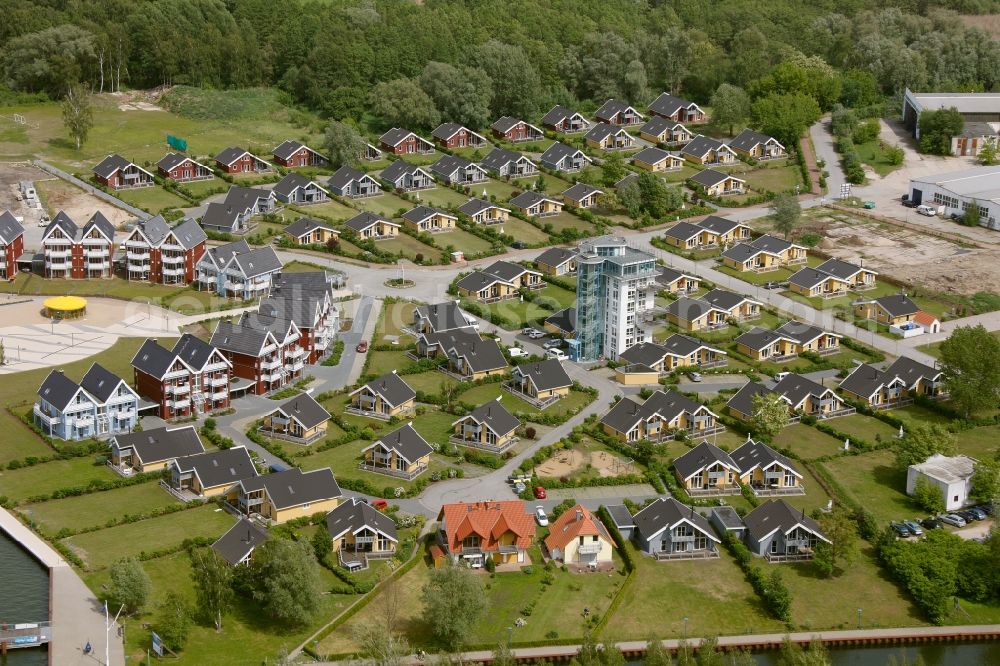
(859, 617)
(685, 628)
(510, 636)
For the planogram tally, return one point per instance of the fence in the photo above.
(90, 189)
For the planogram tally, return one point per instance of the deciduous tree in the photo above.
(403, 103)
(769, 415)
(454, 601)
(730, 106)
(937, 127)
(77, 113)
(986, 481)
(921, 442)
(461, 94)
(130, 584)
(613, 169)
(213, 583)
(839, 527)
(786, 211)
(928, 496)
(174, 620)
(970, 362)
(785, 116)
(343, 144)
(289, 585)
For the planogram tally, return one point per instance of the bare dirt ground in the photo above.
(906, 254)
(566, 462)
(58, 195)
(138, 100)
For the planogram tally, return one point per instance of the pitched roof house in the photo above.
(473, 531)
(657, 417)
(400, 141)
(153, 449)
(454, 135)
(238, 160)
(456, 170)
(581, 195)
(383, 397)
(717, 183)
(401, 175)
(561, 157)
(707, 470)
(578, 537)
(401, 453)
(282, 496)
(757, 146)
(894, 386)
(360, 531)
(237, 545)
(674, 108)
(616, 112)
(290, 153)
(489, 427)
(765, 471)
(781, 533)
(182, 168)
(295, 188)
(669, 530)
(561, 119)
(515, 130)
(213, 473)
(349, 182)
(118, 173)
(504, 163)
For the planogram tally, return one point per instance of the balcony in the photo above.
(170, 247)
(138, 244)
(294, 366)
(173, 271)
(98, 266)
(294, 352)
(57, 254)
(218, 395)
(57, 266)
(138, 268)
(270, 377)
(46, 418)
(217, 381)
(589, 548)
(398, 473)
(270, 364)
(132, 256)
(180, 404)
(179, 389)
(270, 349)
(94, 242)
(215, 367)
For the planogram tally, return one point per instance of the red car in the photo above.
(539, 492)
(362, 347)
(380, 504)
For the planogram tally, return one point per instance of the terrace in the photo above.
(384, 467)
(539, 403)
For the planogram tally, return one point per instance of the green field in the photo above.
(386, 204)
(409, 247)
(101, 548)
(442, 197)
(20, 484)
(525, 232)
(381, 362)
(874, 482)
(153, 199)
(483, 393)
(873, 154)
(333, 210)
(462, 240)
(934, 348)
(96, 509)
(19, 441)
(394, 317)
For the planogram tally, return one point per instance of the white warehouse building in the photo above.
(952, 476)
(954, 191)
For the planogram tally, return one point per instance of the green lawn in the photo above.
(248, 636)
(712, 594)
(394, 317)
(521, 313)
(333, 210)
(386, 204)
(478, 395)
(20, 484)
(873, 481)
(566, 220)
(442, 197)
(934, 348)
(205, 188)
(381, 362)
(409, 247)
(19, 441)
(97, 508)
(462, 240)
(773, 178)
(557, 297)
(430, 381)
(153, 199)
(807, 442)
(525, 232)
(872, 154)
(434, 426)
(866, 427)
(101, 548)
(502, 190)
(833, 603)
(980, 443)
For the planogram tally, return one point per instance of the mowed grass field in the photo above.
(96, 509)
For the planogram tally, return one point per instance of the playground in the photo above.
(587, 459)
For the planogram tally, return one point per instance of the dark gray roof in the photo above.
(506, 270)
(363, 220)
(545, 375)
(757, 338)
(392, 388)
(529, 198)
(498, 157)
(230, 155)
(564, 320)
(800, 331)
(445, 131)
(898, 305)
(505, 124)
(217, 468)
(155, 229)
(778, 515)
(559, 151)
(293, 487)
(441, 317)
(220, 216)
(700, 457)
(752, 454)
(305, 225)
(911, 371)
(173, 160)
(258, 261)
(57, 389)
(193, 350)
(747, 139)
(669, 275)
(580, 191)
(159, 444)
(235, 545)
(421, 213)
(719, 225)
(620, 515)
(304, 309)
(742, 251)
(475, 206)
(221, 254)
(481, 354)
(710, 177)
(344, 176)
(101, 223)
(10, 228)
(100, 382)
(65, 223)
(603, 130)
(395, 136)
(353, 515)
(406, 442)
(664, 512)
(667, 104)
(153, 359)
(315, 283)
(721, 298)
(839, 268)
(645, 353)
(246, 197)
(656, 125)
(398, 169)
(189, 234)
(684, 345)
(555, 256)
(742, 400)
(864, 380)
(730, 520)
(304, 409)
(689, 309)
(449, 164)
(797, 388)
(289, 147)
(557, 114)
(809, 277)
(771, 243)
(700, 145)
(683, 231)
(280, 327)
(240, 338)
(611, 108)
(292, 182)
(651, 155)
(110, 164)
(626, 413)
(495, 416)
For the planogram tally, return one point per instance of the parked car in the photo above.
(535, 334)
(969, 515)
(901, 530)
(904, 198)
(519, 245)
(519, 478)
(527, 330)
(907, 203)
(695, 376)
(557, 354)
(931, 523)
(953, 520)
(362, 347)
(914, 527)
(516, 351)
(380, 504)
(519, 488)
(539, 492)
(553, 344)
(771, 285)
(979, 513)
(781, 375)
(929, 211)
(986, 508)
(540, 516)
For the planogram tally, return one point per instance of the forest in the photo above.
(474, 60)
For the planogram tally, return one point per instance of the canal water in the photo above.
(952, 654)
(24, 597)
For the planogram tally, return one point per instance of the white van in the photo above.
(929, 211)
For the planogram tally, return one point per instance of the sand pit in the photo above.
(566, 462)
(563, 463)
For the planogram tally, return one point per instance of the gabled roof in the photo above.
(505, 124)
(487, 520)
(445, 131)
(220, 255)
(64, 223)
(545, 375)
(668, 105)
(160, 444)
(153, 359)
(701, 145)
(280, 327)
(808, 278)
(236, 545)
(344, 176)
(441, 317)
(354, 515)
(241, 338)
(668, 275)
(364, 219)
(406, 442)
(101, 382)
(397, 135)
(702, 456)
(613, 107)
(102, 224)
(864, 380)
(657, 125)
(304, 309)
(113, 163)
(652, 155)
(173, 160)
(757, 338)
(58, 390)
(911, 371)
(10, 228)
(601, 131)
(498, 157)
(666, 513)
(801, 332)
(744, 251)
(690, 309)
(797, 388)
(293, 487)
(218, 215)
(494, 416)
(421, 213)
(564, 320)
(188, 234)
(779, 516)
(475, 206)
(710, 177)
(294, 181)
(258, 261)
(233, 153)
(559, 151)
(644, 353)
(446, 165)
(726, 300)
(530, 198)
(480, 354)
(289, 147)
(305, 225)
(666, 405)
(581, 191)
(742, 400)
(720, 225)
(897, 305)
(753, 454)
(194, 351)
(573, 524)
(772, 244)
(555, 256)
(684, 231)
(684, 345)
(842, 269)
(399, 168)
(218, 468)
(747, 139)
(391, 387)
(557, 114)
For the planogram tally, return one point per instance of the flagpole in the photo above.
(107, 636)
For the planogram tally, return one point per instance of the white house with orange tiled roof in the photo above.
(474, 531)
(579, 537)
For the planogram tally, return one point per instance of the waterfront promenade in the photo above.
(77, 616)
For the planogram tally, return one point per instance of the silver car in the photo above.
(953, 519)
(540, 516)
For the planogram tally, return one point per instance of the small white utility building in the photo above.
(952, 474)
(954, 191)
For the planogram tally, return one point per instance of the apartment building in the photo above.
(74, 252)
(156, 253)
(270, 359)
(102, 404)
(235, 270)
(192, 378)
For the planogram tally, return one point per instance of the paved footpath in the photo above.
(77, 615)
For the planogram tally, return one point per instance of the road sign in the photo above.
(157, 644)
